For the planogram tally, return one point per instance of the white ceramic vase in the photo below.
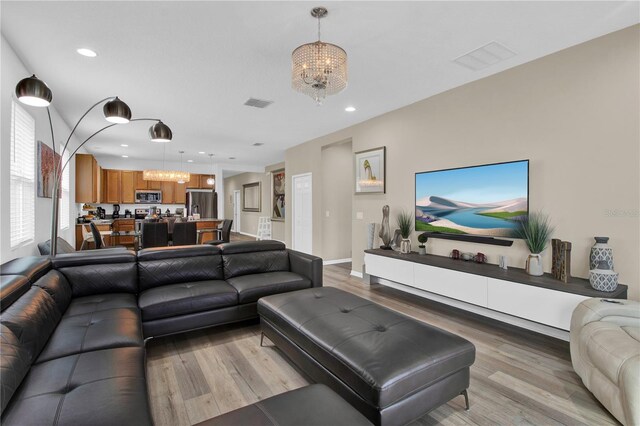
(422, 250)
(534, 265)
(405, 246)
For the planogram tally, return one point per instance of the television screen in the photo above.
(481, 200)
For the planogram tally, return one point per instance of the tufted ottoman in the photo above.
(391, 368)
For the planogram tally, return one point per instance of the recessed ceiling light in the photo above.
(189, 161)
(87, 52)
(125, 156)
(200, 152)
(124, 145)
(350, 109)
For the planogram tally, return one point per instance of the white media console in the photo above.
(541, 304)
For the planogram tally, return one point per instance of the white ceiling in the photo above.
(194, 64)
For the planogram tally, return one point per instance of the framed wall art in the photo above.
(46, 158)
(251, 197)
(370, 171)
(277, 195)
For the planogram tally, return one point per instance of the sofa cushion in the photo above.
(251, 246)
(252, 287)
(14, 365)
(112, 328)
(32, 267)
(56, 286)
(100, 302)
(99, 271)
(105, 387)
(349, 336)
(167, 265)
(11, 288)
(609, 346)
(32, 319)
(314, 405)
(186, 298)
(236, 265)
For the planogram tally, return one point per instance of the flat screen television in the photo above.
(482, 200)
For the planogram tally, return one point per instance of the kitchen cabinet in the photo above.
(155, 185)
(88, 182)
(203, 182)
(180, 193)
(168, 192)
(113, 185)
(127, 187)
(140, 182)
(194, 181)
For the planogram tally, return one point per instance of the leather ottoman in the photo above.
(390, 367)
(314, 405)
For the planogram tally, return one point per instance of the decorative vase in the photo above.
(385, 230)
(601, 251)
(602, 278)
(405, 246)
(422, 249)
(534, 265)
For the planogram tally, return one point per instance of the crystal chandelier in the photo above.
(167, 175)
(319, 69)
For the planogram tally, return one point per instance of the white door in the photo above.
(236, 211)
(302, 215)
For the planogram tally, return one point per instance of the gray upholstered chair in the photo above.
(184, 233)
(155, 234)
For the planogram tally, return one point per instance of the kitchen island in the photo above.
(106, 224)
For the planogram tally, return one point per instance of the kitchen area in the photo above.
(119, 201)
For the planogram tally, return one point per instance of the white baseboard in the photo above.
(335, 261)
(247, 234)
(356, 273)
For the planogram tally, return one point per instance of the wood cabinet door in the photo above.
(84, 178)
(140, 182)
(155, 185)
(168, 191)
(127, 187)
(194, 181)
(98, 183)
(112, 186)
(203, 182)
(180, 193)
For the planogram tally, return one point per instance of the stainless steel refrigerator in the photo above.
(203, 201)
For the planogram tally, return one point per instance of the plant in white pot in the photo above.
(422, 238)
(536, 231)
(405, 223)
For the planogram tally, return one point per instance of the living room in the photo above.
(428, 95)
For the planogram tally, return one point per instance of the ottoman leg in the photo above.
(261, 338)
(466, 399)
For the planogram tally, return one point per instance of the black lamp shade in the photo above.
(33, 91)
(116, 111)
(160, 132)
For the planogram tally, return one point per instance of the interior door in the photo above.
(302, 213)
(236, 211)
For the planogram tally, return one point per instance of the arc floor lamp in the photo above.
(34, 92)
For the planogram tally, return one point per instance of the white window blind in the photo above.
(64, 201)
(22, 176)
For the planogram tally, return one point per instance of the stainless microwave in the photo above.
(148, 197)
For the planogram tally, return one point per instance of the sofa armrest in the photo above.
(307, 265)
(619, 311)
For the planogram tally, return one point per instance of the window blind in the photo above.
(22, 176)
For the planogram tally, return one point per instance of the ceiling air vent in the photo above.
(258, 103)
(485, 56)
(258, 144)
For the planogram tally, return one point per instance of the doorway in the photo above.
(302, 223)
(236, 211)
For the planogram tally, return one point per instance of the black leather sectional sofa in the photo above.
(73, 328)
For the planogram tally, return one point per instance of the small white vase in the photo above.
(422, 250)
(405, 246)
(534, 265)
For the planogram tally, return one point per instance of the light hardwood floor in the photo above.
(518, 378)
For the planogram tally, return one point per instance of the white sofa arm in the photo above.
(617, 311)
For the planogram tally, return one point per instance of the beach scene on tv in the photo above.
(481, 200)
